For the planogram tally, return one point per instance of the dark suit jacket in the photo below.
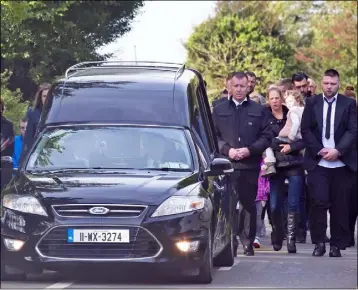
(219, 100)
(345, 130)
(250, 129)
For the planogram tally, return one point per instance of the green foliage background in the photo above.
(274, 39)
(15, 107)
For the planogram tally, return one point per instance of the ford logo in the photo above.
(98, 210)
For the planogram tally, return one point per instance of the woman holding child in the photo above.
(283, 160)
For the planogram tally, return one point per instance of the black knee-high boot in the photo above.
(292, 224)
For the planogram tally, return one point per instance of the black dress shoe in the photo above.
(249, 251)
(335, 252)
(319, 250)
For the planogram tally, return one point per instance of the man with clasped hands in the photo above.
(329, 129)
(243, 133)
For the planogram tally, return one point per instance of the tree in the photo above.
(15, 108)
(224, 44)
(290, 22)
(334, 43)
(41, 39)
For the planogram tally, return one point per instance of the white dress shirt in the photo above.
(239, 103)
(329, 143)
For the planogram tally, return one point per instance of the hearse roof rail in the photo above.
(178, 68)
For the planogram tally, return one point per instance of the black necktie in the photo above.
(328, 119)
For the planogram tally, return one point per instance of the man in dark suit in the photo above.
(329, 128)
(243, 133)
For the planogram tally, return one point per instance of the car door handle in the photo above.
(217, 187)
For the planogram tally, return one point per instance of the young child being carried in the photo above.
(289, 133)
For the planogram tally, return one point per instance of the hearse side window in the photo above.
(202, 157)
(112, 102)
(198, 121)
(199, 127)
(210, 139)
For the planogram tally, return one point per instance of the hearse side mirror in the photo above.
(220, 166)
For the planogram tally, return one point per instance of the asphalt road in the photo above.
(267, 269)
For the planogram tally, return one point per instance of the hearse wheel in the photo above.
(206, 270)
(226, 257)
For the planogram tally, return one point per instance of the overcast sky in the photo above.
(159, 30)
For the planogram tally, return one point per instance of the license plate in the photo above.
(97, 236)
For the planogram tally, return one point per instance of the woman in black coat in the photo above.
(33, 116)
(289, 165)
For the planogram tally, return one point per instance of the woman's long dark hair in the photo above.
(37, 104)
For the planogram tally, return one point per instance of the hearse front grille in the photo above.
(142, 245)
(112, 210)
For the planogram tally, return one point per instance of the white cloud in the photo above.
(159, 30)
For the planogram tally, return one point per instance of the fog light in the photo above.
(186, 246)
(13, 245)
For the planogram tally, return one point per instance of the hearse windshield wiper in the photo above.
(57, 180)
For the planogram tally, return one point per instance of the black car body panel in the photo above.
(137, 99)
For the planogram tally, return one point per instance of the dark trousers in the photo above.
(353, 213)
(303, 209)
(245, 185)
(329, 189)
(266, 210)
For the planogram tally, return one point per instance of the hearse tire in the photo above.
(206, 270)
(227, 256)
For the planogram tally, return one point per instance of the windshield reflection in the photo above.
(95, 147)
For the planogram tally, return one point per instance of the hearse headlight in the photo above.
(26, 204)
(179, 204)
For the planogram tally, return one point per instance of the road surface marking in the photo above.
(60, 285)
(224, 268)
(236, 262)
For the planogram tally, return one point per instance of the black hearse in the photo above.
(124, 171)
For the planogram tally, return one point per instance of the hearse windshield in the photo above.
(109, 147)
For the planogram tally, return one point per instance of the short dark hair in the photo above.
(251, 74)
(23, 120)
(240, 75)
(299, 76)
(331, 73)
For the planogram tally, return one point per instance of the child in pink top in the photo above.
(263, 192)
